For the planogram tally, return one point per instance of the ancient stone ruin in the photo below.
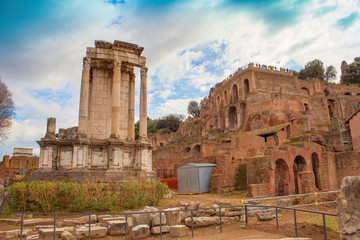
(269, 133)
(102, 147)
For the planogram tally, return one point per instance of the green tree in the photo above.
(302, 74)
(7, 110)
(193, 109)
(315, 69)
(330, 73)
(170, 123)
(351, 72)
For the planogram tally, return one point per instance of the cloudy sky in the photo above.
(189, 45)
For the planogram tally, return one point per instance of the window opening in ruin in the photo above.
(246, 86)
(218, 104)
(225, 98)
(161, 144)
(187, 149)
(306, 106)
(235, 96)
(282, 178)
(232, 117)
(299, 166)
(196, 149)
(358, 94)
(265, 139)
(306, 89)
(242, 113)
(327, 93)
(316, 169)
(211, 126)
(348, 93)
(332, 108)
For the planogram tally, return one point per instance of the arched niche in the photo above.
(332, 108)
(316, 169)
(234, 94)
(196, 148)
(225, 97)
(282, 178)
(232, 117)
(246, 86)
(298, 166)
(306, 89)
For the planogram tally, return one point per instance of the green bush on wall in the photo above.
(84, 196)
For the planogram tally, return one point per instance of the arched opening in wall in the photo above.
(218, 104)
(196, 148)
(282, 178)
(306, 106)
(306, 89)
(187, 149)
(246, 86)
(242, 113)
(225, 98)
(234, 94)
(358, 94)
(232, 117)
(212, 106)
(316, 169)
(348, 93)
(299, 166)
(332, 108)
(161, 144)
(327, 92)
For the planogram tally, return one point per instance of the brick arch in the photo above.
(225, 97)
(306, 89)
(232, 117)
(282, 178)
(298, 166)
(246, 86)
(315, 163)
(234, 94)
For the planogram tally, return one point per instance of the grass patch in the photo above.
(330, 223)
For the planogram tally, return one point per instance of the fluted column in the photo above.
(84, 98)
(131, 123)
(115, 104)
(143, 104)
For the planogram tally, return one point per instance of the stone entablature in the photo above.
(103, 146)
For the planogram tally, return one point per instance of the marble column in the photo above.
(84, 99)
(131, 123)
(143, 104)
(115, 97)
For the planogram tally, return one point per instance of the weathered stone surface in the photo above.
(253, 202)
(49, 232)
(139, 219)
(202, 221)
(265, 216)
(222, 203)
(233, 213)
(174, 216)
(10, 221)
(95, 232)
(155, 219)
(348, 208)
(104, 221)
(79, 220)
(284, 203)
(179, 231)
(37, 221)
(117, 227)
(156, 230)
(9, 234)
(101, 217)
(67, 236)
(33, 237)
(140, 231)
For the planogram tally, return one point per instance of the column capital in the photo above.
(117, 64)
(144, 71)
(86, 62)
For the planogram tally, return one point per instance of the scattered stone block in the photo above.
(283, 203)
(95, 232)
(79, 220)
(265, 216)
(33, 237)
(101, 217)
(155, 219)
(223, 203)
(233, 213)
(117, 227)
(141, 219)
(253, 202)
(156, 230)
(67, 236)
(104, 221)
(49, 232)
(201, 221)
(9, 234)
(140, 231)
(12, 221)
(174, 216)
(179, 231)
(38, 221)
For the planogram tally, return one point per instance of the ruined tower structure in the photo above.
(269, 133)
(103, 146)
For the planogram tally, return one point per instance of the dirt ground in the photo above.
(308, 224)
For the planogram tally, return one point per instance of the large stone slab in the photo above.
(95, 232)
(202, 221)
(67, 236)
(174, 216)
(155, 219)
(49, 232)
(12, 234)
(140, 231)
(104, 221)
(348, 208)
(179, 231)
(79, 220)
(117, 227)
(156, 230)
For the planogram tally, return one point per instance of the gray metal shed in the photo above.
(195, 177)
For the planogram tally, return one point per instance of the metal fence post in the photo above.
(277, 219)
(296, 234)
(54, 236)
(246, 215)
(22, 225)
(192, 224)
(126, 226)
(220, 220)
(90, 226)
(324, 223)
(160, 227)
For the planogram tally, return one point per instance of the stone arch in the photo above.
(196, 148)
(246, 86)
(187, 149)
(327, 92)
(282, 178)
(232, 117)
(316, 169)
(306, 89)
(298, 166)
(225, 97)
(332, 107)
(234, 94)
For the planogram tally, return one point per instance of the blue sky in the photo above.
(189, 45)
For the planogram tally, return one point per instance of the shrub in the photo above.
(84, 196)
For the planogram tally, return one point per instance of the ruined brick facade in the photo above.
(289, 133)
